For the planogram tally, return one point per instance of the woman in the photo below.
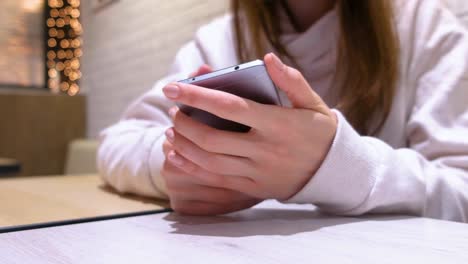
(377, 123)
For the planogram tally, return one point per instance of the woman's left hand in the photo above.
(282, 151)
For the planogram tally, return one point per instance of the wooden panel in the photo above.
(35, 128)
(278, 234)
(31, 200)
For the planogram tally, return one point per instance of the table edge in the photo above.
(17, 228)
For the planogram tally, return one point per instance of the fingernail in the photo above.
(278, 63)
(173, 111)
(175, 159)
(170, 135)
(171, 91)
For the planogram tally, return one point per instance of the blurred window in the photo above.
(22, 43)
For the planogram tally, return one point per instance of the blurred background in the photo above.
(69, 68)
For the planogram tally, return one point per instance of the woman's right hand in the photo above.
(191, 188)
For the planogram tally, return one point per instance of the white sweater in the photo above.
(418, 164)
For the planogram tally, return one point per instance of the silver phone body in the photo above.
(249, 80)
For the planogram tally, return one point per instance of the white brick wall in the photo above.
(130, 45)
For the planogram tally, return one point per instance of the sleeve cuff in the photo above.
(344, 179)
(155, 163)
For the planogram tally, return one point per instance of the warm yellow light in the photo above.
(75, 13)
(76, 43)
(52, 32)
(74, 3)
(79, 31)
(50, 22)
(75, 64)
(73, 76)
(75, 23)
(60, 66)
(64, 43)
(62, 12)
(54, 13)
(50, 64)
(64, 86)
(51, 55)
(61, 54)
(52, 42)
(78, 53)
(60, 22)
(69, 54)
(64, 64)
(60, 34)
(73, 90)
(68, 10)
(52, 73)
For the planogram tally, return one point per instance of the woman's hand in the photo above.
(193, 190)
(277, 157)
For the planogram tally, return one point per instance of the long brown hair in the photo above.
(368, 52)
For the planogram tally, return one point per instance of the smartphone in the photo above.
(248, 80)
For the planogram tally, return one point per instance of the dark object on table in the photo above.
(9, 166)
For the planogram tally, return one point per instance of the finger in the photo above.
(204, 69)
(181, 187)
(211, 139)
(167, 146)
(293, 83)
(174, 175)
(221, 104)
(213, 162)
(197, 175)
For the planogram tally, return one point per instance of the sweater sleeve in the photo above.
(429, 177)
(130, 154)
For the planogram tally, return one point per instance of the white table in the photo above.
(269, 233)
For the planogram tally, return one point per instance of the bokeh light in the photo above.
(64, 46)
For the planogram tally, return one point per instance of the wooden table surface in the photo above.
(268, 233)
(31, 200)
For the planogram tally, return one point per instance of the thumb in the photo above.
(291, 81)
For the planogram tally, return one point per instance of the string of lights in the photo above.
(64, 46)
